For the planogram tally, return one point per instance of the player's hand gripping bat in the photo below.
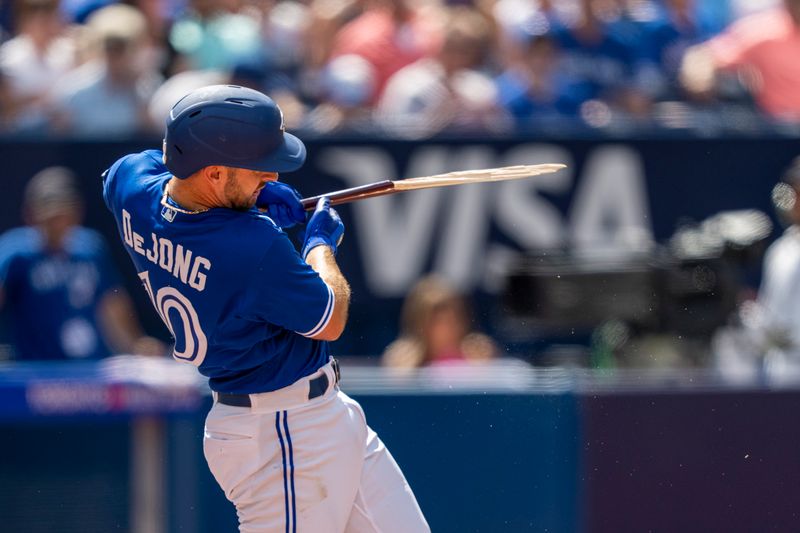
(382, 188)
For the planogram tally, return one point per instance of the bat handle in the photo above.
(348, 195)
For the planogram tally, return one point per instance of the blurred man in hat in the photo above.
(59, 284)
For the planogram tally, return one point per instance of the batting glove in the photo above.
(282, 204)
(323, 228)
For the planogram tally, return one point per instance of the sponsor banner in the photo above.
(615, 197)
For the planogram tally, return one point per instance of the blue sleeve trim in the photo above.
(326, 316)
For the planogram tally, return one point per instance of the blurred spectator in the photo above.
(517, 21)
(208, 35)
(178, 86)
(391, 34)
(33, 62)
(286, 37)
(537, 88)
(445, 90)
(327, 18)
(58, 281)
(436, 329)
(297, 42)
(346, 86)
(768, 337)
(108, 95)
(599, 49)
(763, 49)
(667, 34)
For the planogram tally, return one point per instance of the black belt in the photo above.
(316, 388)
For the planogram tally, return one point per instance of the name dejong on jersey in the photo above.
(181, 262)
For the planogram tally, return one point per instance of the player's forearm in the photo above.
(322, 260)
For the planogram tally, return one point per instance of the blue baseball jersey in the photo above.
(602, 67)
(239, 300)
(53, 296)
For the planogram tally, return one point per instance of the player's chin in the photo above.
(247, 205)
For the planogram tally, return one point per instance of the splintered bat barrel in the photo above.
(461, 177)
(348, 195)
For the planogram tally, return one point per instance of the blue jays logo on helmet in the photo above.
(230, 126)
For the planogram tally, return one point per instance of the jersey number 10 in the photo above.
(190, 341)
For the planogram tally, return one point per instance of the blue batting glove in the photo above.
(282, 204)
(323, 228)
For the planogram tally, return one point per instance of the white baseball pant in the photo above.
(291, 464)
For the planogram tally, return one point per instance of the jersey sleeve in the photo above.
(110, 183)
(126, 169)
(287, 292)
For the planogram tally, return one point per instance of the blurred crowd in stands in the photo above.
(100, 68)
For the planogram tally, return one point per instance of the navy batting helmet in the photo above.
(230, 126)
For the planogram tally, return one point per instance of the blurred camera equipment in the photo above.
(687, 286)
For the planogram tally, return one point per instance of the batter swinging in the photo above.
(290, 450)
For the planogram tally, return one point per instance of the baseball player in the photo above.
(202, 221)
(59, 284)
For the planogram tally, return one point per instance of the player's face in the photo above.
(242, 187)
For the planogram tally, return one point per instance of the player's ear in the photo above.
(213, 173)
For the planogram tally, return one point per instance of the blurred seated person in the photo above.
(108, 95)
(346, 86)
(214, 34)
(768, 336)
(763, 50)
(599, 51)
(325, 20)
(390, 34)
(447, 90)
(436, 330)
(58, 282)
(676, 26)
(33, 61)
(537, 87)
